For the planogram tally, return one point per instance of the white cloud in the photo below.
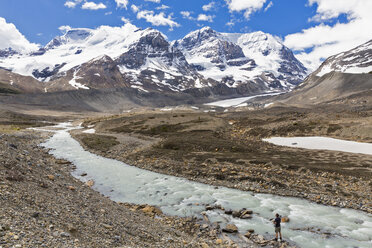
(93, 6)
(125, 20)
(204, 17)
(230, 23)
(325, 39)
(134, 8)
(121, 3)
(249, 6)
(72, 3)
(64, 28)
(10, 37)
(154, 1)
(209, 6)
(269, 6)
(163, 6)
(157, 19)
(108, 13)
(186, 15)
(333, 8)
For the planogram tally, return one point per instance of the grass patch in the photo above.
(101, 143)
(161, 129)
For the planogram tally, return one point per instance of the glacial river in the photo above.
(179, 196)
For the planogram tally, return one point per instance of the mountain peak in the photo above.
(71, 35)
(242, 57)
(206, 29)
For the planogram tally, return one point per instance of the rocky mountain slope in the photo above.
(16, 83)
(339, 77)
(129, 57)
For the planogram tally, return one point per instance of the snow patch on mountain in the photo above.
(357, 60)
(75, 84)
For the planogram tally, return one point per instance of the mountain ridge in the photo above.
(145, 59)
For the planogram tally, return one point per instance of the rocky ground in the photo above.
(226, 149)
(42, 205)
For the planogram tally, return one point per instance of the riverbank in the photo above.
(226, 150)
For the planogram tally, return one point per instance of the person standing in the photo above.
(277, 221)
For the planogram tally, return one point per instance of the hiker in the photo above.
(276, 222)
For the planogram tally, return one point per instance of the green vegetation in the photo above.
(101, 143)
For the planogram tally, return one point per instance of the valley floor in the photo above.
(42, 205)
(226, 149)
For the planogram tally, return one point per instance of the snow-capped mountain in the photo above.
(122, 57)
(356, 60)
(129, 56)
(238, 58)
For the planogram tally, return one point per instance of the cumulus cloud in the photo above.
(186, 15)
(121, 3)
(157, 19)
(325, 39)
(93, 6)
(163, 6)
(329, 9)
(208, 6)
(204, 17)
(134, 8)
(248, 6)
(72, 3)
(10, 37)
(154, 1)
(125, 20)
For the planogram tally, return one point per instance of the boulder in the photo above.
(236, 214)
(230, 228)
(209, 207)
(89, 183)
(151, 210)
(71, 188)
(228, 211)
(247, 235)
(51, 177)
(245, 216)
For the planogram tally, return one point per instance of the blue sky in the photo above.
(39, 20)
(298, 22)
